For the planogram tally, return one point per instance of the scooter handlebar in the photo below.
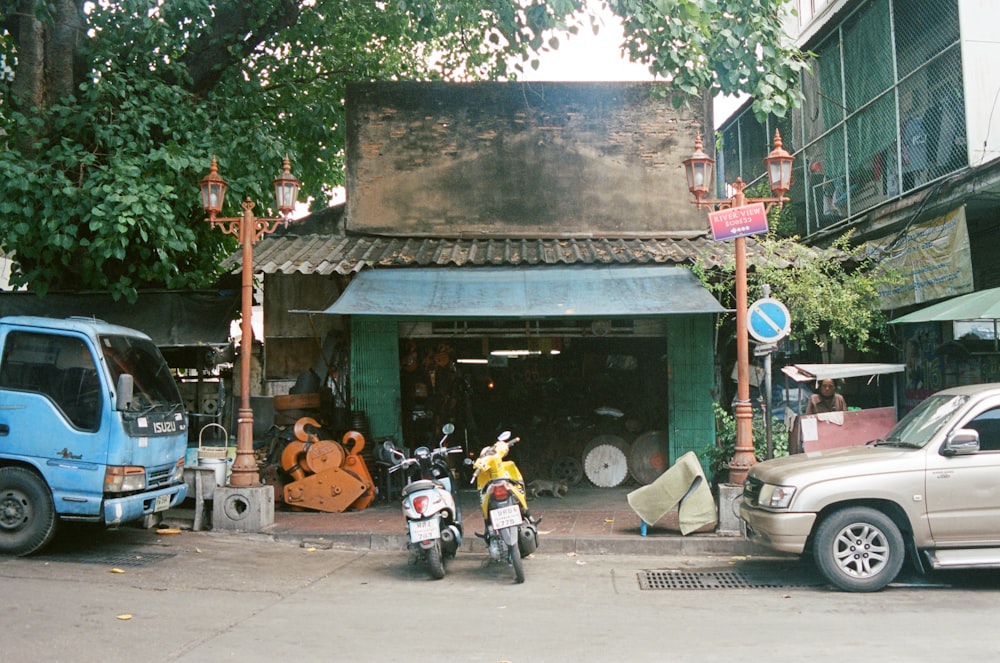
(406, 462)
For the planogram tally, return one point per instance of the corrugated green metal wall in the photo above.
(690, 356)
(375, 375)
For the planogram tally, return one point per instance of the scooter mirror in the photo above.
(388, 446)
(504, 436)
(448, 428)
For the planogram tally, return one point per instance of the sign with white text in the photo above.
(738, 221)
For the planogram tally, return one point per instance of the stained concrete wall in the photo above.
(519, 160)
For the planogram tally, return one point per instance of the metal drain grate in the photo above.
(131, 558)
(667, 579)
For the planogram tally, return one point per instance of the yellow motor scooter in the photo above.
(511, 532)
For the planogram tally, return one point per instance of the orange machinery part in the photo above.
(325, 475)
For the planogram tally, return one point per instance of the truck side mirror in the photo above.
(961, 442)
(124, 389)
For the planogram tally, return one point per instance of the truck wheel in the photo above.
(27, 517)
(859, 549)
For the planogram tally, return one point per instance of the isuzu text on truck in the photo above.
(92, 428)
(930, 489)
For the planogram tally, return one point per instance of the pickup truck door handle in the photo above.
(4, 429)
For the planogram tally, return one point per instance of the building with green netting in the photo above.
(897, 142)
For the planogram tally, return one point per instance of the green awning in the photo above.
(526, 292)
(984, 304)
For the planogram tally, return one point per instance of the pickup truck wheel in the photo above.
(859, 549)
(27, 517)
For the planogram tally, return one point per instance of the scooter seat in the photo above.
(420, 484)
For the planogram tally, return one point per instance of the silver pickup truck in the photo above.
(931, 488)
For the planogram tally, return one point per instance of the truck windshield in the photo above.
(920, 425)
(139, 357)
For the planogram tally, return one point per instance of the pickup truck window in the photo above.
(987, 424)
(56, 366)
(922, 422)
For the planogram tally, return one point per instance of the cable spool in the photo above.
(650, 456)
(606, 465)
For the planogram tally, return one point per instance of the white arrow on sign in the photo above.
(768, 320)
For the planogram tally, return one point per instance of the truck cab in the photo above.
(92, 428)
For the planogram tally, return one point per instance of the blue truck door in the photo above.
(55, 414)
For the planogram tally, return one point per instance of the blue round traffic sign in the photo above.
(768, 320)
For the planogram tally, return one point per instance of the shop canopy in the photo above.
(982, 305)
(526, 292)
(816, 372)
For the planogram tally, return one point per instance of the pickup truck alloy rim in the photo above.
(861, 550)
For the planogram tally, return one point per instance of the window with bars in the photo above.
(883, 114)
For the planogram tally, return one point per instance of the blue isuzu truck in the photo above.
(92, 428)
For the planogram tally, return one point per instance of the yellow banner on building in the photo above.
(933, 258)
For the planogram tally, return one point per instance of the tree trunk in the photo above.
(46, 56)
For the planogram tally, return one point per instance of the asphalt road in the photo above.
(134, 595)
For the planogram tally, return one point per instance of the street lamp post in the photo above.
(698, 168)
(248, 228)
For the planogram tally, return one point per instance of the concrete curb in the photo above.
(685, 546)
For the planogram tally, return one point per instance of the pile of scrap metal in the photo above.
(325, 475)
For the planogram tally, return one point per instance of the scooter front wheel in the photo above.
(516, 562)
(435, 561)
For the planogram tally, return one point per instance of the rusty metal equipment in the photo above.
(326, 475)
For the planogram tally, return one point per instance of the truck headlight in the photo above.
(124, 479)
(178, 475)
(775, 497)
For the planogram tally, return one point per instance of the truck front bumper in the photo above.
(120, 510)
(781, 531)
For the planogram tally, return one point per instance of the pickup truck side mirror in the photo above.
(123, 392)
(961, 442)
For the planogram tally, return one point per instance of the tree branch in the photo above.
(231, 38)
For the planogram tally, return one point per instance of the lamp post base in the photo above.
(245, 471)
(246, 509)
(743, 457)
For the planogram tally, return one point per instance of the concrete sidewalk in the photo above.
(587, 521)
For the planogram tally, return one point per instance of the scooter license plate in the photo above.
(506, 516)
(424, 530)
(162, 503)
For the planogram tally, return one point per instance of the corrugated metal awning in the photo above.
(982, 305)
(524, 292)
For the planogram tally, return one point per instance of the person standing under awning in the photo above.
(826, 400)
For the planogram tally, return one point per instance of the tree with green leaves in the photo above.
(831, 294)
(712, 47)
(110, 110)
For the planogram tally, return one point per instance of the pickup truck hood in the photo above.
(819, 466)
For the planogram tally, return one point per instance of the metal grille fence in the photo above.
(883, 113)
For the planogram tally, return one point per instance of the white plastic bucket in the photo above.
(217, 464)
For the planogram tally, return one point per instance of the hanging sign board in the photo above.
(738, 221)
(768, 320)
